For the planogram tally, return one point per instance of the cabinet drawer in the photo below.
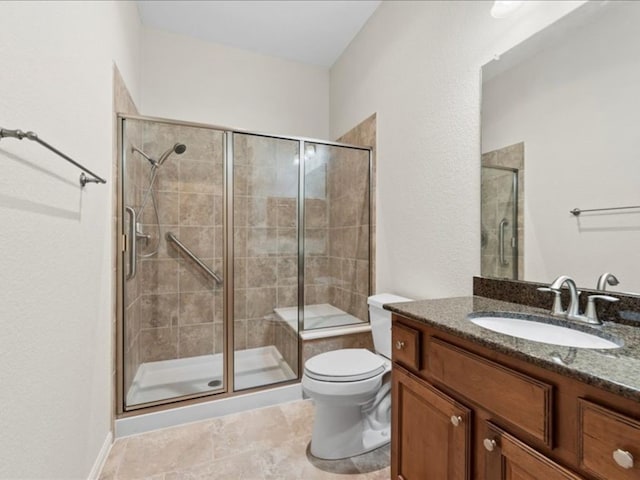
(522, 401)
(604, 433)
(507, 458)
(406, 345)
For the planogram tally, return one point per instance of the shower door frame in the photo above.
(228, 388)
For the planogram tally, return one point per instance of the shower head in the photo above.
(178, 148)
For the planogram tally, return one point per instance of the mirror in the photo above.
(561, 131)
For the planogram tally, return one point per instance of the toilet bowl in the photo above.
(351, 389)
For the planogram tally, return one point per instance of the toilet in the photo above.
(351, 389)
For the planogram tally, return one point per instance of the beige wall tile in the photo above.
(158, 344)
(264, 241)
(260, 302)
(196, 307)
(287, 270)
(196, 209)
(159, 310)
(195, 279)
(260, 333)
(195, 340)
(200, 240)
(287, 297)
(158, 276)
(200, 177)
(261, 271)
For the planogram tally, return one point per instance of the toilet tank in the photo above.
(381, 321)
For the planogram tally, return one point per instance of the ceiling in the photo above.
(309, 31)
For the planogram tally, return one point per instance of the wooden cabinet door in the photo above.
(431, 432)
(507, 458)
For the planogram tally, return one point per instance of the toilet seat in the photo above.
(346, 365)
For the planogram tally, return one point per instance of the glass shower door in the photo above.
(499, 221)
(173, 282)
(265, 252)
(336, 235)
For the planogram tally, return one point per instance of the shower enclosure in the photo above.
(232, 243)
(499, 220)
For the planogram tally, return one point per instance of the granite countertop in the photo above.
(614, 370)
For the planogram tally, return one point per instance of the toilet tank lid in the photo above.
(383, 298)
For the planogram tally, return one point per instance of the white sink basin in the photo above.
(538, 331)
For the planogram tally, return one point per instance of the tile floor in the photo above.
(264, 444)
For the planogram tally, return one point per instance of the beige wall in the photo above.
(57, 257)
(193, 80)
(417, 65)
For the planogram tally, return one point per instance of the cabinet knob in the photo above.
(456, 420)
(399, 345)
(489, 444)
(623, 458)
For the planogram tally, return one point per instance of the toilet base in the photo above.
(344, 432)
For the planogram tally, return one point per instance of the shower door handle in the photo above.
(503, 224)
(132, 247)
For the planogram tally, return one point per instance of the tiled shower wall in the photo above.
(316, 224)
(348, 193)
(497, 203)
(349, 219)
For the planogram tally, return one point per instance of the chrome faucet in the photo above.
(573, 310)
(607, 278)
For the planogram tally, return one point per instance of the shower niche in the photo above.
(232, 244)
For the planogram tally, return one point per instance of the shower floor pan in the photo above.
(168, 379)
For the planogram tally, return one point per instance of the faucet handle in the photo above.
(592, 313)
(557, 300)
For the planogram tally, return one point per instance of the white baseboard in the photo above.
(101, 458)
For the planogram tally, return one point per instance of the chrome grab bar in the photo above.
(503, 224)
(131, 240)
(172, 238)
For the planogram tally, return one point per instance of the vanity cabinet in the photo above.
(434, 429)
(463, 411)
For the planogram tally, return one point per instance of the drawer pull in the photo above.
(623, 458)
(456, 420)
(489, 444)
(399, 345)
